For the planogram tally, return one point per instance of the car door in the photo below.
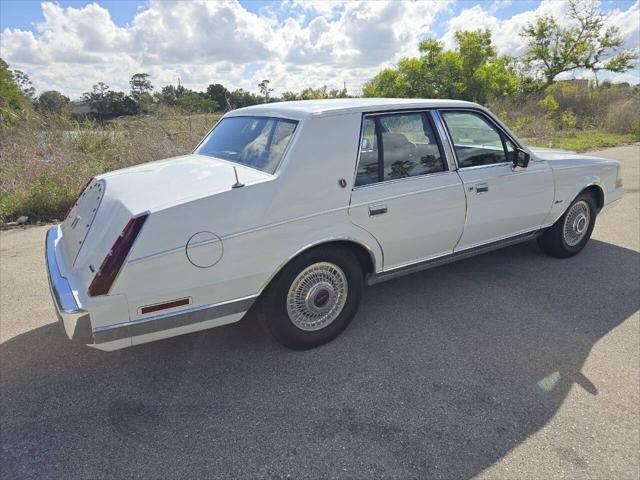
(404, 192)
(502, 201)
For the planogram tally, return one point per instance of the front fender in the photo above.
(569, 184)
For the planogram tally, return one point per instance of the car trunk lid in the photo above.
(78, 221)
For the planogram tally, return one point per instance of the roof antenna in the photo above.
(237, 184)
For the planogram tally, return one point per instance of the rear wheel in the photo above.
(572, 231)
(313, 299)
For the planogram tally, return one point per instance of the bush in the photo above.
(624, 117)
(572, 105)
(44, 161)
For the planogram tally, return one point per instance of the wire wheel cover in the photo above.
(317, 296)
(576, 223)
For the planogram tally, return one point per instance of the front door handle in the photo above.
(482, 187)
(377, 210)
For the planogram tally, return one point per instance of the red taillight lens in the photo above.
(114, 260)
(66, 214)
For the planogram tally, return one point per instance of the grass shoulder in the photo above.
(583, 140)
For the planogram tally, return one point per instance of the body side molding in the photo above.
(443, 260)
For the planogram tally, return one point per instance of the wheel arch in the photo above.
(597, 192)
(363, 253)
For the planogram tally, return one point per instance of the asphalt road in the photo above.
(507, 365)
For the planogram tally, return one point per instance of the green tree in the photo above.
(583, 42)
(265, 90)
(219, 94)
(23, 82)
(315, 94)
(53, 101)
(170, 94)
(140, 85)
(12, 99)
(194, 102)
(473, 71)
(242, 98)
(108, 103)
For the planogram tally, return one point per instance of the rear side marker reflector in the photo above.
(114, 260)
(166, 305)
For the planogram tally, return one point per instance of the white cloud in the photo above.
(506, 32)
(202, 42)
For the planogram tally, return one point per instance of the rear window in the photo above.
(256, 142)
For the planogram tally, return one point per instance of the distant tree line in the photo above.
(473, 71)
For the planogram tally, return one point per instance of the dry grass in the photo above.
(612, 109)
(45, 161)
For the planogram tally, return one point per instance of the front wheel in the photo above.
(572, 231)
(313, 299)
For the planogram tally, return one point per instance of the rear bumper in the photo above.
(75, 321)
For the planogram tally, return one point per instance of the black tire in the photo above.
(272, 311)
(554, 240)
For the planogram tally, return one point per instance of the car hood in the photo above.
(558, 157)
(156, 185)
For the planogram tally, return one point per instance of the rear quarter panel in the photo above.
(261, 226)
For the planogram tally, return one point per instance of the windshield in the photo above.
(256, 142)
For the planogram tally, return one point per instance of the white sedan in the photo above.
(291, 208)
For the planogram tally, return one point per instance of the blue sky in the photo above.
(24, 14)
(67, 45)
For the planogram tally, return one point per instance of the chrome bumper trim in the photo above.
(74, 321)
(167, 321)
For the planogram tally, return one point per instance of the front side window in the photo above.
(475, 140)
(256, 142)
(408, 148)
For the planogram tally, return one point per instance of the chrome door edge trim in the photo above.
(445, 139)
(402, 179)
(443, 260)
(408, 194)
(167, 321)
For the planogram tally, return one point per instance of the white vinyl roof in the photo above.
(304, 108)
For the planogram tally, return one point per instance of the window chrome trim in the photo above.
(488, 115)
(401, 179)
(444, 138)
(490, 165)
(439, 143)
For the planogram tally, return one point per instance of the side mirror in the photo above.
(521, 158)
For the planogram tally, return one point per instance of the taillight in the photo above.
(114, 260)
(66, 214)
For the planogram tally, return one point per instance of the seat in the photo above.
(399, 155)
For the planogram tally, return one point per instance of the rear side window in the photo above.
(257, 142)
(397, 146)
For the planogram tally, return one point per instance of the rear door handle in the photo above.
(377, 210)
(482, 187)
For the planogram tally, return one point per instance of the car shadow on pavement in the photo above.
(440, 375)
